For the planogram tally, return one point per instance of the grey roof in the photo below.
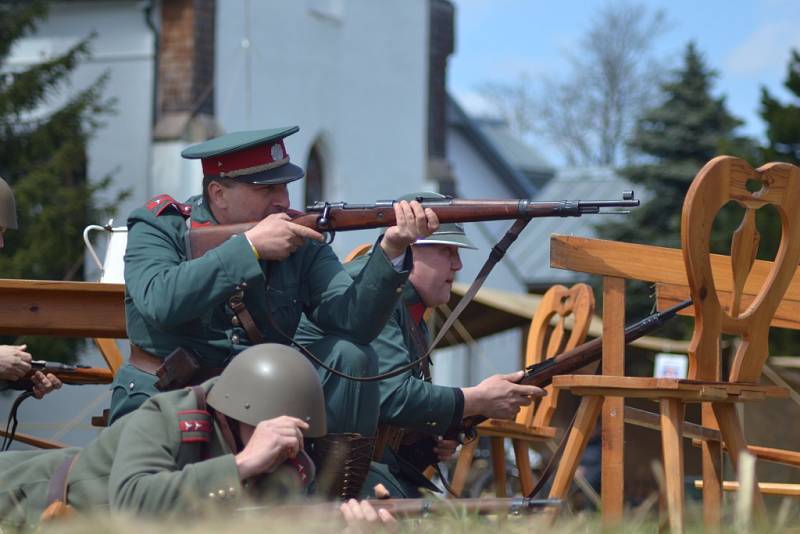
(516, 151)
(524, 181)
(531, 252)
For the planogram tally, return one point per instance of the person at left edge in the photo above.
(15, 360)
(280, 269)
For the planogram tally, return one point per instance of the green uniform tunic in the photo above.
(408, 400)
(173, 302)
(149, 462)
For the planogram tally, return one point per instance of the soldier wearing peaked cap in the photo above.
(411, 410)
(234, 437)
(198, 314)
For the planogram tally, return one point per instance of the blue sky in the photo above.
(746, 41)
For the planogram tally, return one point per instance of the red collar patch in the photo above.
(194, 425)
(417, 311)
(159, 203)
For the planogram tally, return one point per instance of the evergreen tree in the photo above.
(783, 121)
(674, 140)
(43, 157)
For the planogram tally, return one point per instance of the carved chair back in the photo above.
(720, 181)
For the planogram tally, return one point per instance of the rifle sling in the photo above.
(497, 253)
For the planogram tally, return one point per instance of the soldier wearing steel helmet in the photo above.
(410, 405)
(15, 361)
(234, 437)
(256, 284)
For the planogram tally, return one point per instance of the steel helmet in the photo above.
(8, 207)
(448, 233)
(267, 381)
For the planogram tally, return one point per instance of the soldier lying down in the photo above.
(236, 437)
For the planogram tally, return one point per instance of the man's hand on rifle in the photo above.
(361, 516)
(445, 449)
(14, 362)
(413, 222)
(276, 237)
(44, 384)
(499, 396)
(271, 443)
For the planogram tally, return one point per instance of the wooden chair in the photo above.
(360, 250)
(545, 340)
(722, 180)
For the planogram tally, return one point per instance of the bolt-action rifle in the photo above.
(421, 507)
(541, 374)
(68, 374)
(334, 217)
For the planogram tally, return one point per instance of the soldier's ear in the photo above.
(217, 196)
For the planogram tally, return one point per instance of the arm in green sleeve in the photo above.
(144, 477)
(406, 400)
(168, 290)
(355, 308)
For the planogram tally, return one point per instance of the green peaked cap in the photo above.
(252, 156)
(448, 233)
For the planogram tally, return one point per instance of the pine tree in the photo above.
(43, 157)
(783, 121)
(674, 140)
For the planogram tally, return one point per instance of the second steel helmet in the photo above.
(267, 381)
(448, 233)
(8, 207)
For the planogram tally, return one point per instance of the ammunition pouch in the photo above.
(342, 462)
(179, 369)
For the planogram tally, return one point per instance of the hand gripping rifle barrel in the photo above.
(68, 374)
(541, 374)
(341, 216)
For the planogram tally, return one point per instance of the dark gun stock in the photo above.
(335, 217)
(541, 374)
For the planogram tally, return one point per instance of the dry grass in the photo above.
(641, 520)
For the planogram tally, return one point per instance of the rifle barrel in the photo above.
(541, 374)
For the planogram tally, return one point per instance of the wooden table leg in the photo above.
(462, 467)
(672, 444)
(613, 429)
(712, 474)
(585, 421)
(521, 449)
(498, 466)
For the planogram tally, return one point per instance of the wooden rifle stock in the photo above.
(68, 374)
(419, 507)
(334, 217)
(541, 374)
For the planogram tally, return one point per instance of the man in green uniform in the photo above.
(15, 361)
(234, 437)
(254, 287)
(410, 405)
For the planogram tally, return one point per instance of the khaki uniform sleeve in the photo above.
(145, 478)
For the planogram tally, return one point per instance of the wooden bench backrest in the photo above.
(548, 336)
(720, 181)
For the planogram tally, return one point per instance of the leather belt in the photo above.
(147, 363)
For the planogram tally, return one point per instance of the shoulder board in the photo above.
(195, 425)
(160, 203)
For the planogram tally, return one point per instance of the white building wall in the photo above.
(123, 48)
(352, 73)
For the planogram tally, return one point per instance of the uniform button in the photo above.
(235, 321)
(399, 290)
(235, 339)
(131, 385)
(221, 493)
(211, 495)
(231, 491)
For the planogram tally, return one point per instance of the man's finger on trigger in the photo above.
(305, 231)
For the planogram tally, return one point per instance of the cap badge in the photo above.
(276, 152)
